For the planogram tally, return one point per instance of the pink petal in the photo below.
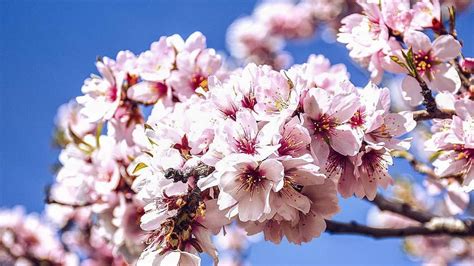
(316, 103)
(445, 79)
(146, 92)
(445, 48)
(343, 107)
(411, 91)
(274, 171)
(418, 41)
(456, 201)
(345, 140)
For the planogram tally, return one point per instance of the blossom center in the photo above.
(289, 143)
(358, 119)
(324, 124)
(246, 144)
(249, 101)
(251, 180)
(424, 61)
(199, 80)
(464, 153)
(375, 165)
(111, 94)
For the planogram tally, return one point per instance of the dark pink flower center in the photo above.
(358, 119)
(324, 124)
(424, 61)
(111, 94)
(464, 153)
(160, 88)
(289, 144)
(335, 165)
(251, 179)
(199, 80)
(249, 101)
(375, 165)
(246, 144)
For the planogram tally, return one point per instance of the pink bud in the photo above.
(467, 64)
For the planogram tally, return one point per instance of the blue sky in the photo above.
(47, 49)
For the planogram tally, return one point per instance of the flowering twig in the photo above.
(353, 228)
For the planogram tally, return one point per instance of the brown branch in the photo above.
(86, 204)
(353, 228)
(428, 99)
(401, 208)
(421, 115)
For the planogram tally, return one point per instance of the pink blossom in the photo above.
(467, 64)
(307, 226)
(325, 118)
(285, 19)
(318, 72)
(364, 35)
(371, 169)
(70, 121)
(194, 63)
(289, 201)
(427, 13)
(456, 145)
(379, 125)
(251, 41)
(102, 95)
(293, 138)
(455, 198)
(430, 60)
(397, 15)
(28, 240)
(246, 186)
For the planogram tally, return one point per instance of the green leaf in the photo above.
(77, 140)
(435, 156)
(410, 62)
(139, 167)
(397, 60)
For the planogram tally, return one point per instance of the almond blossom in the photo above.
(28, 240)
(430, 61)
(455, 144)
(173, 147)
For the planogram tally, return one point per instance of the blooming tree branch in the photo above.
(256, 149)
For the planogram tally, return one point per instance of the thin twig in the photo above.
(421, 115)
(353, 228)
(401, 208)
(86, 204)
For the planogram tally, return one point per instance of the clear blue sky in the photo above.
(47, 49)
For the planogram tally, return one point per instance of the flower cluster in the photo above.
(168, 148)
(382, 37)
(264, 148)
(260, 38)
(93, 165)
(453, 141)
(27, 240)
